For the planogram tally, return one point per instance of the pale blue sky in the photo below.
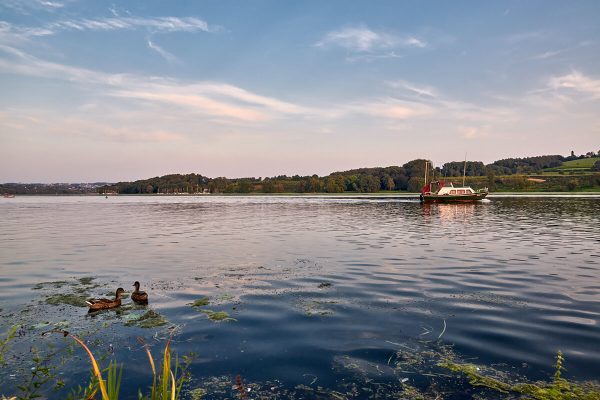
(107, 91)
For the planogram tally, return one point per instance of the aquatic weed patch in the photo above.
(149, 319)
(204, 301)
(46, 285)
(217, 316)
(558, 388)
(314, 308)
(73, 293)
(70, 299)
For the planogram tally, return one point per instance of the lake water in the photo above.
(358, 297)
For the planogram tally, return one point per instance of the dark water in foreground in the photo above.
(330, 293)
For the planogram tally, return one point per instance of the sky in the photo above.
(115, 91)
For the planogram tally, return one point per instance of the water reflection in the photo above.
(449, 212)
(317, 285)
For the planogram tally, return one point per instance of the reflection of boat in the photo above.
(439, 192)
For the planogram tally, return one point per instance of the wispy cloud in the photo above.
(222, 101)
(390, 108)
(546, 55)
(363, 39)
(10, 33)
(472, 132)
(576, 82)
(210, 98)
(553, 53)
(526, 36)
(215, 99)
(52, 4)
(170, 58)
(373, 57)
(26, 6)
(419, 90)
(194, 102)
(159, 24)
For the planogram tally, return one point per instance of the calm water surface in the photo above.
(327, 294)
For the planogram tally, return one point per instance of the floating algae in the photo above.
(47, 325)
(317, 307)
(226, 387)
(197, 394)
(86, 281)
(558, 389)
(79, 291)
(217, 316)
(150, 319)
(476, 378)
(55, 285)
(200, 302)
(70, 299)
(225, 297)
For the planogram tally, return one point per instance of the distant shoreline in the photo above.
(316, 194)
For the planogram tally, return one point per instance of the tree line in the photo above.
(408, 177)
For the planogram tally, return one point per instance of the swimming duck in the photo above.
(102, 304)
(137, 296)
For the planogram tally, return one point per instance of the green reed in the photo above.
(558, 389)
(166, 383)
(5, 343)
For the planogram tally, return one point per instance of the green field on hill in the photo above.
(584, 163)
(579, 166)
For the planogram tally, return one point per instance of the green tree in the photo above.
(334, 185)
(368, 184)
(243, 186)
(268, 186)
(491, 180)
(572, 184)
(415, 184)
(416, 168)
(314, 184)
(387, 182)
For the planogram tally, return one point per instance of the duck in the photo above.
(137, 296)
(103, 304)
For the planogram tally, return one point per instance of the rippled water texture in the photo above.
(322, 290)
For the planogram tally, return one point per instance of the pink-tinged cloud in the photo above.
(471, 132)
(578, 82)
(392, 109)
(197, 103)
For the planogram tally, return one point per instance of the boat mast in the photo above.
(465, 170)
(426, 172)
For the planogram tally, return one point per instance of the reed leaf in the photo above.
(173, 385)
(95, 366)
(113, 380)
(141, 340)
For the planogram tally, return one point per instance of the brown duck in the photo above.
(103, 304)
(138, 296)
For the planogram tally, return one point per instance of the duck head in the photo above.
(120, 292)
(137, 286)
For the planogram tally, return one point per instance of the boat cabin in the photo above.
(451, 190)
